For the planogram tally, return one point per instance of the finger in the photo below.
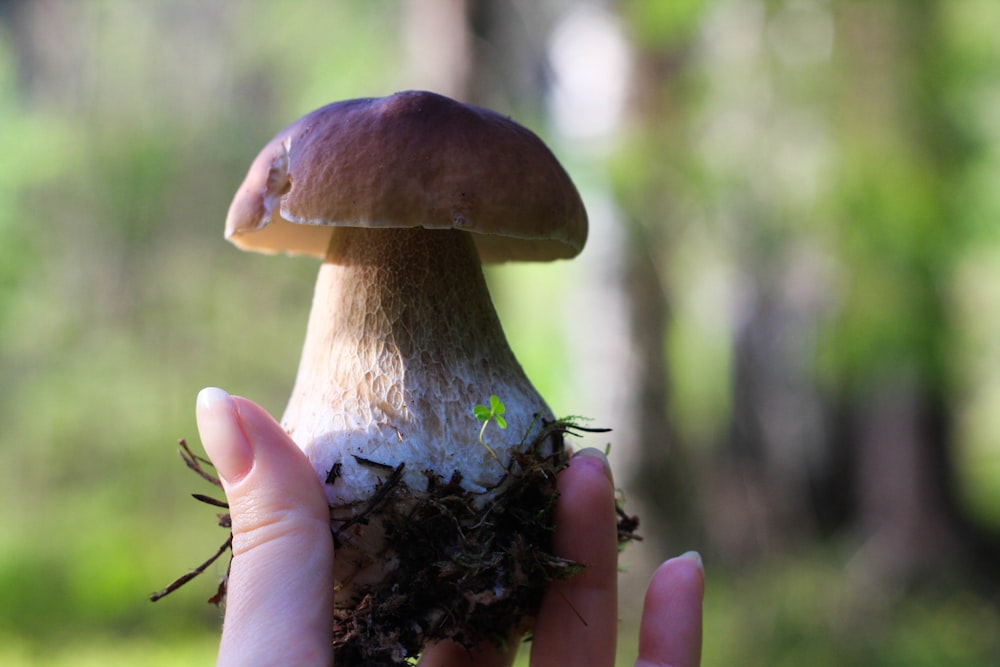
(279, 602)
(577, 621)
(670, 631)
(450, 654)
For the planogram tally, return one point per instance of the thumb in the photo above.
(280, 593)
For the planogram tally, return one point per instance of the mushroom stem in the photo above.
(402, 342)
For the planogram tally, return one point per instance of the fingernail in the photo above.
(221, 435)
(594, 453)
(696, 557)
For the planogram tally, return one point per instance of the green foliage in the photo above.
(654, 22)
(124, 139)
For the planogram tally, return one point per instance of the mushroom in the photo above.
(402, 197)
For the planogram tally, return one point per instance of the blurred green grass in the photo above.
(799, 611)
(110, 652)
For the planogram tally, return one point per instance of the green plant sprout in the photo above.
(493, 413)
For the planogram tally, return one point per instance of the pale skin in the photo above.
(279, 603)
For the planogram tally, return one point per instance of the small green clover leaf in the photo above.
(493, 413)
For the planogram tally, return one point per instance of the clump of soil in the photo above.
(464, 570)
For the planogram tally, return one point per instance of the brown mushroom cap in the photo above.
(413, 159)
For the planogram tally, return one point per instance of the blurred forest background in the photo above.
(788, 311)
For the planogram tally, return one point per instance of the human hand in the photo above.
(280, 594)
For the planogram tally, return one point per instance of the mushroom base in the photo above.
(464, 570)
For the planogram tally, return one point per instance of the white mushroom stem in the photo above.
(403, 341)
